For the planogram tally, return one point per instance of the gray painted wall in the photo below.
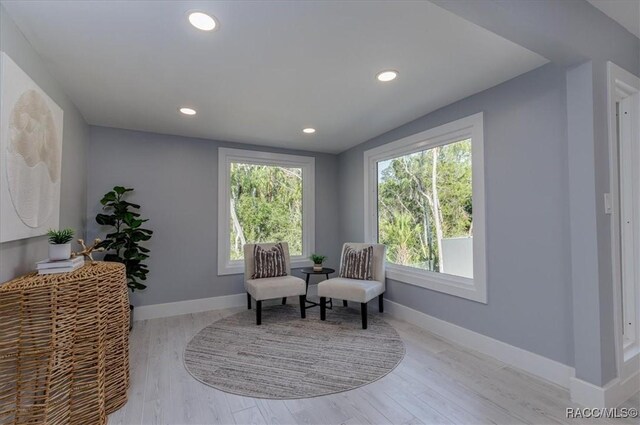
(583, 207)
(573, 34)
(176, 182)
(18, 257)
(528, 256)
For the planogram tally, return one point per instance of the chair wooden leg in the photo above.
(258, 312)
(248, 301)
(363, 312)
(380, 304)
(345, 303)
(284, 300)
(303, 306)
(323, 308)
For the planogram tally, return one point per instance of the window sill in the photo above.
(453, 285)
(237, 267)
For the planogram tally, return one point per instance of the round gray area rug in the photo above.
(288, 357)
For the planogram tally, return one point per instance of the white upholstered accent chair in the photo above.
(271, 287)
(356, 290)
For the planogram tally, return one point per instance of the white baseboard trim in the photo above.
(587, 394)
(622, 390)
(535, 364)
(613, 394)
(155, 311)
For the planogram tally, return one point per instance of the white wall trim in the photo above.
(621, 84)
(613, 394)
(155, 311)
(458, 286)
(535, 364)
(471, 127)
(226, 156)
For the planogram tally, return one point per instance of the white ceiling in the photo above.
(625, 12)
(271, 69)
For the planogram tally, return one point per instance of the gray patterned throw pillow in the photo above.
(269, 262)
(356, 264)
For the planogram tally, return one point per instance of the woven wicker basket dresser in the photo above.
(64, 346)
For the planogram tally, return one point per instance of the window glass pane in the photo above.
(425, 209)
(266, 206)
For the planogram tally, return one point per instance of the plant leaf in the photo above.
(108, 197)
(113, 258)
(105, 219)
(129, 204)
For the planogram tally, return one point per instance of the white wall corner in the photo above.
(613, 394)
(535, 364)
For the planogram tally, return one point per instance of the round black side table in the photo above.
(309, 271)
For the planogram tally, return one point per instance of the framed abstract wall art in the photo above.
(30, 155)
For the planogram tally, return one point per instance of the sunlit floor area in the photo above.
(437, 382)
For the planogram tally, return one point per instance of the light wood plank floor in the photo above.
(438, 382)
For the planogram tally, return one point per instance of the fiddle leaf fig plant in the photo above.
(123, 243)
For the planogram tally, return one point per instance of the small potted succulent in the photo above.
(60, 244)
(317, 262)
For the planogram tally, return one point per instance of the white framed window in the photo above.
(424, 199)
(264, 197)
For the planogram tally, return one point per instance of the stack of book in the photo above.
(60, 266)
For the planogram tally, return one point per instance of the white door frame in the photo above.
(621, 85)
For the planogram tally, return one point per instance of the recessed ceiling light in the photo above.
(309, 130)
(187, 111)
(388, 75)
(202, 21)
